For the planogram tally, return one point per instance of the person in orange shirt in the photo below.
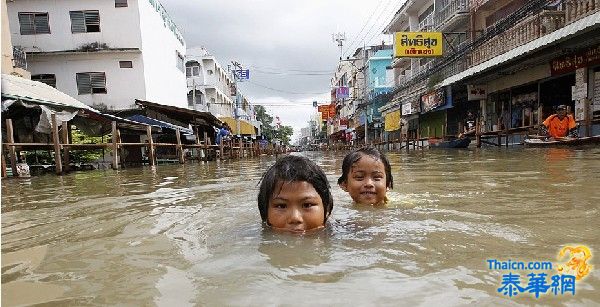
(559, 125)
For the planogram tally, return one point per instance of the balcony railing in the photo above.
(426, 23)
(521, 33)
(19, 57)
(577, 9)
(453, 8)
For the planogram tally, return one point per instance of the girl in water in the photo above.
(366, 176)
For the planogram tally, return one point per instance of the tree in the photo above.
(285, 134)
(266, 121)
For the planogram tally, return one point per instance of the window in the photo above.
(34, 23)
(192, 69)
(91, 83)
(125, 64)
(210, 72)
(120, 3)
(85, 21)
(49, 79)
(179, 61)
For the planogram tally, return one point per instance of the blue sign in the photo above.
(242, 74)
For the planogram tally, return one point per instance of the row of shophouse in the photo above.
(510, 62)
(110, 54)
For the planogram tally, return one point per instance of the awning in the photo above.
(16, 88)
(181, 114)
(37, 94)
(158, 123)
(587, 23)
(245, 127)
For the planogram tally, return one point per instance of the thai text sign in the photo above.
(392, 121)
(476, 92)
(342, 92)
(418, 44)
(572, 62)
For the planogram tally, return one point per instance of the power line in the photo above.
(283, 91)
(289, 69)
(348, 48)
(385, 21)
(362, 40)
(290, 74)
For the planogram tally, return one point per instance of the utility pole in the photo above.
(237, 67)
(339, 38)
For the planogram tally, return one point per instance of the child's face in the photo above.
(366, 181)
(296, 207)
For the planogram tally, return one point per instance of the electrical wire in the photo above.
(282, 91)
(351, 43)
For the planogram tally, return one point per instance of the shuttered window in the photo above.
(49, 79)
(120, 3)
(91, 83)
(85, 21)
(34, 23)
(125, 64)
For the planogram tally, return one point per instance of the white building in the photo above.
(209, 86)
(105, 53)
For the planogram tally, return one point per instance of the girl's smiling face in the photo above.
(366, 182)
(295, 207)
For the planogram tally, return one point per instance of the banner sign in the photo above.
(342, 92)
(392, 121)
(332, 110)
(418, 44)
(242, 74)
(476, 92)
(572, 62)
(433, 100)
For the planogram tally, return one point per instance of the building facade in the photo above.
(103, 53)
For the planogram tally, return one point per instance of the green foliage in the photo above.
(82, 156)
(285, 134)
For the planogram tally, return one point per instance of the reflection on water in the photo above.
(191, 235)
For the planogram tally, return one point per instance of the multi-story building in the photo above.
(14, 59)
(509, 61)
(104, 53)
(210, 88)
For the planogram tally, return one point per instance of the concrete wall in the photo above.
(119, 27)
(161, 41)
(123, 85)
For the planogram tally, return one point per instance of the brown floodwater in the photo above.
(191, 235)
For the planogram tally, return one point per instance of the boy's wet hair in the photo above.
(355, 155)
(293, 169)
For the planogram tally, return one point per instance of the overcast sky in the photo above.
(287, 45)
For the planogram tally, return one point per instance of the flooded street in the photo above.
(191, 234)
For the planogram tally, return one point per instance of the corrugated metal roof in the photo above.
(20, 88)
(552, 38)
(159, 123)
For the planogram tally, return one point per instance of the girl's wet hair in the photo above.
(290, 169)
(355, 155)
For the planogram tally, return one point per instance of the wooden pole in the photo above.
(206, 141)
(478, 133)
(121, 149)
(241, 147)
(3, 162)
(65, 141)
(12, 154)
(179, 147)
(115, 146)
(151, 158)
(56, 142)
(588, 117)
(221, 149)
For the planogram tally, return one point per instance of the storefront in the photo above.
(433, 119)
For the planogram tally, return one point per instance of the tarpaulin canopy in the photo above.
(155, 122)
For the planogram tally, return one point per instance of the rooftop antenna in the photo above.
(339, 38)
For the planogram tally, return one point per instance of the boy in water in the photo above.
(294, 196)
(366, 176)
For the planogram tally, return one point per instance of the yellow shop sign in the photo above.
(417, 44)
